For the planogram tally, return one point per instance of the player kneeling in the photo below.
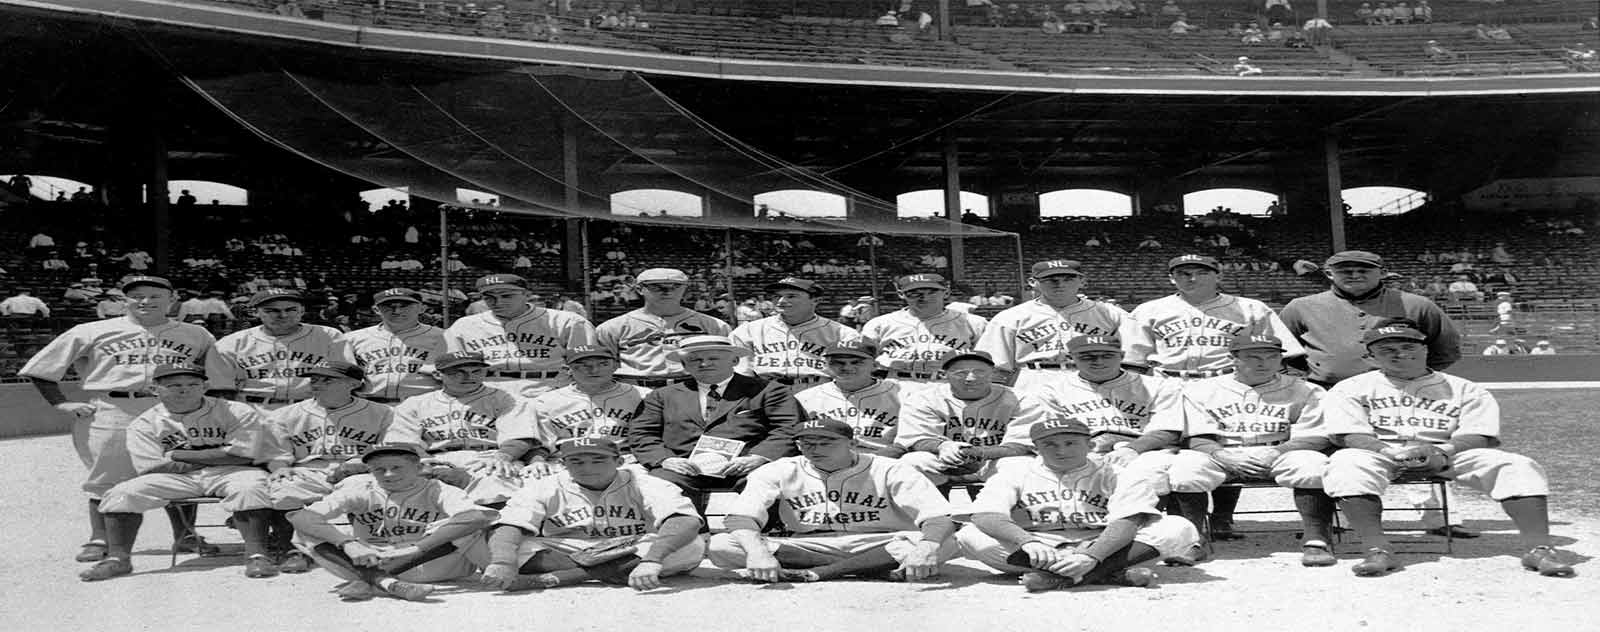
(1061, 519)
(852, 514)
(405, 530)
(594, 520)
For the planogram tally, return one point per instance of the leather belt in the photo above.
(1184, 373)
(525, 375)
(380, 400)
(263, 399)
(129, 394)
(793, 380)
(649, 381)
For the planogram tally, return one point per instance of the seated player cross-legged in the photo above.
(405, 530)
(852, 514)
(1062, 519)
(1405, 417)
(593, 520)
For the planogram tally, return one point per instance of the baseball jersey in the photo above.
(1036, 332)
(1002, 416)
(118, 354)
(1331, 327)
(779, 349)
(874, 411)
(480, 420)
(307, 433)
(218, 423)
(1239, 415)
(534, 341)
(1080, 501)
(1120, 406)
(259, 364)
(379, 517)
(875, 495)
(567, 412)
(1177, 335)
(911, 344)
(642, 340)
(1433, 408)
(558, 507)
(394, 360)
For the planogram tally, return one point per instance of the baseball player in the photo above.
(593, 405)
(311, 440)
(397, 354)
(956, 433)
(1254, 424)
(405, 530)
(188, 445)
(1406, 417)
(855, 397)
(912, 342)
(478, 429)
(787, 347)
(1029, 341)
(266, 364)
(521, 341)
(1186, 335)
(1115, 403)
(1062, 519)
(548, 534)
(644, 337)
(114, 357)
(852, 514)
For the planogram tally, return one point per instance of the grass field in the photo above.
(1558, 429)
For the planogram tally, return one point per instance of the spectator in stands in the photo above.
(1581, 55)
(76, 294)
(1591, 24)
(1403, 14)
(1500, 347)
(1319, 32)
(1542, 348)
(411, 235)
(1435, 52)
(1505, 312)
(1384, 14)
(1306, 269)
(1366, 15)
(888, 19)
(41, 242)
(1179, 26)
(137, 261)
(24, 305)
(1518, 347)
(1464, 289)
(112, 303)
(1242, 68)
(1427, 257)
(521, 264)
(869, 241)
(1422, 13)
(1149, 243)
(54, 263)
(1170, 9)
(1278, 11)
(83, 195)
(1252, 36)
(856, 313)
(1436, 289)
(1276, 33)
(455, 264)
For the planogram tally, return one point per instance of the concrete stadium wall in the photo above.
(23, 413)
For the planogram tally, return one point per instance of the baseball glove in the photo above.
(606, 550)
(1422, 459)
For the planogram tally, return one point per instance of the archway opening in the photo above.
(930, 203)
(801, 203)
(1237, 201)
(1085, 203)
(1383, 200)
(657, 203)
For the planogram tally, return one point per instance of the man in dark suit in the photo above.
(717, 404)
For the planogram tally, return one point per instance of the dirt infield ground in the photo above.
(1255, 584)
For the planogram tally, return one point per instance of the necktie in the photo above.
(711, 400)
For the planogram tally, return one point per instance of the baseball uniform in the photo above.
(398, 364)
(874, 411)
(877, 502)
(1068, 508)
(387, 520)
(270, 370)
(935, 415)
(1191, 341)
(462, 430)
(1030, 339)
(1331, 326)
(308, 436)
(567, 412)
(911, 349)
(642, 341)
(115, 358)
(791, 354)
(563, 516)
(1115, 410)
(524, 353)
(218, 423)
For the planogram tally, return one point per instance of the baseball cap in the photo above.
(1051, 427)
(1262, 341)
(804, 285)
(1056, 266)
(692, 344)
(381, 449)
(140, 279)
(1193, 260)
(662, 275)
(337, 368)
(1358, 257)
(396, 294)
(1402, 331)
(459, 359)
(169, 370)
(587, 445)
(826, 428)
(857, 348)
(500, 282)
(1094, 343)
(276, 294)
(957, 356)
(580, 352)
(919, 281)
(1500, 341)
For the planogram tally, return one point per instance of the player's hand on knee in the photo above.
(538, 467)
(1120, 456)
(498, 575)
(398, 556)
(1041, 555)
(680, 465)
(762, 566)
(361, 554)
(1237, 462)
(922, 562)
(951, 452)
(344, 471)
(1073, 564)
(79, 410)
(645, 576)
(743, 465)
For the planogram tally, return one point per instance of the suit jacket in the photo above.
(759, 412)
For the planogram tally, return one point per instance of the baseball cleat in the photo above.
(260, 566)
(1040, 581)
(1453, 531)
(1317, 555)
(409, 591)
(294, 562)
(1136, 577)
(357, 591)
(107, 569)
(1195, 555)
(1379, 562)
(92, 551)
(1222, 529)
(531, 582)
(193, 543)
(1548, 562)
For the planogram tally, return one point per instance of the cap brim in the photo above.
(194, 373)
(329, 373)
(375, 453)
(922, 286)
(819, 433)
(1056, 272)
(502, 286)
(589, 356)
(460, 365)
(398, 299)
(849, 354)
(577, 451)
(677, 356)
